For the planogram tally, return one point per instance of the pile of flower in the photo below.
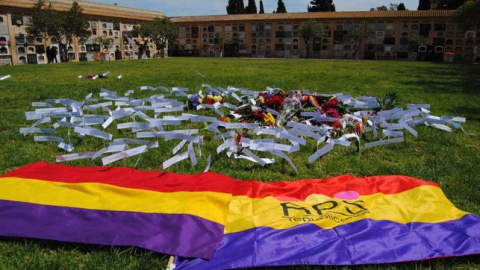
(250, 114)
(272, 100)
(210, 97)
(290, 106)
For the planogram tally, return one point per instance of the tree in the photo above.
(424, 5)
(262, 11)
(401, 6)
(235, 7)
(447, 4)
(75, 25)
(251, 7)
(281, 7)
(310, 30)
(60, 25)
(467, 15)
(321, 5)
(382, 8)
(356, 37)
(104, 43)
(161, 31)
(38, 26)
(393, 6)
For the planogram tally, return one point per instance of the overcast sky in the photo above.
(173, 8)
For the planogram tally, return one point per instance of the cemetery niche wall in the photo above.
(278, 36)
(110, 21)
(392, 35)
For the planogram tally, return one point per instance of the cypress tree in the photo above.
(251, 7)
(401, 6)
(321, 5)
(281, 7)
(424, 5)
(235, 7)
(262, 11)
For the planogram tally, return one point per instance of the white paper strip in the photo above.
(129, 141)
(390, 133)
(174, 160)
(327, 148)
(209, 161)
(235, 96)
(225, 135)
(409, 129)
(5, 77)
(124, 154)
(282, 155)
(340, 142)
(263, 160)
(41, 104)
(254, 157)
(48, 139)
(441, 127)
(75, 156)
(67, 147)
(37, 130)
(191, 154)
(203, 119)
(227, 144)
(384, 142)
(94, 133)
(178, 147)
(291, 138)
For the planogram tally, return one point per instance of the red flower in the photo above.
(209, 101)
(336, 125)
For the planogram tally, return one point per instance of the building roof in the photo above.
(90, 8)
(317, 15)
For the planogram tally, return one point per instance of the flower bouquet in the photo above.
(210, 97)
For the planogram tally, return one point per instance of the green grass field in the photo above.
(450, 159)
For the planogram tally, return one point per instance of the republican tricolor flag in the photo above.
(211, 221)
(162, 212)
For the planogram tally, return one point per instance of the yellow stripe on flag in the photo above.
(426, 204)
(212, 206)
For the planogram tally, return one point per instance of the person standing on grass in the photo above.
(49, 54)
(54, 55)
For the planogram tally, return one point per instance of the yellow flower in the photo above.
(217, 98)
(269, 119)
(210, 96)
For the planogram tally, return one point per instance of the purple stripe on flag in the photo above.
(363, 242)
(176, 234)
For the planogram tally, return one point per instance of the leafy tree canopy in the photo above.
(467, 16)
(310, 30)
(321, 5)
(49, 23)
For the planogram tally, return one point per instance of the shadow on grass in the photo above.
(466, 262)
(49, 245)
(446, 79)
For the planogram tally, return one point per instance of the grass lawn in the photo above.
(450, 159)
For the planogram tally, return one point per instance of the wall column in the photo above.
(13, 42)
